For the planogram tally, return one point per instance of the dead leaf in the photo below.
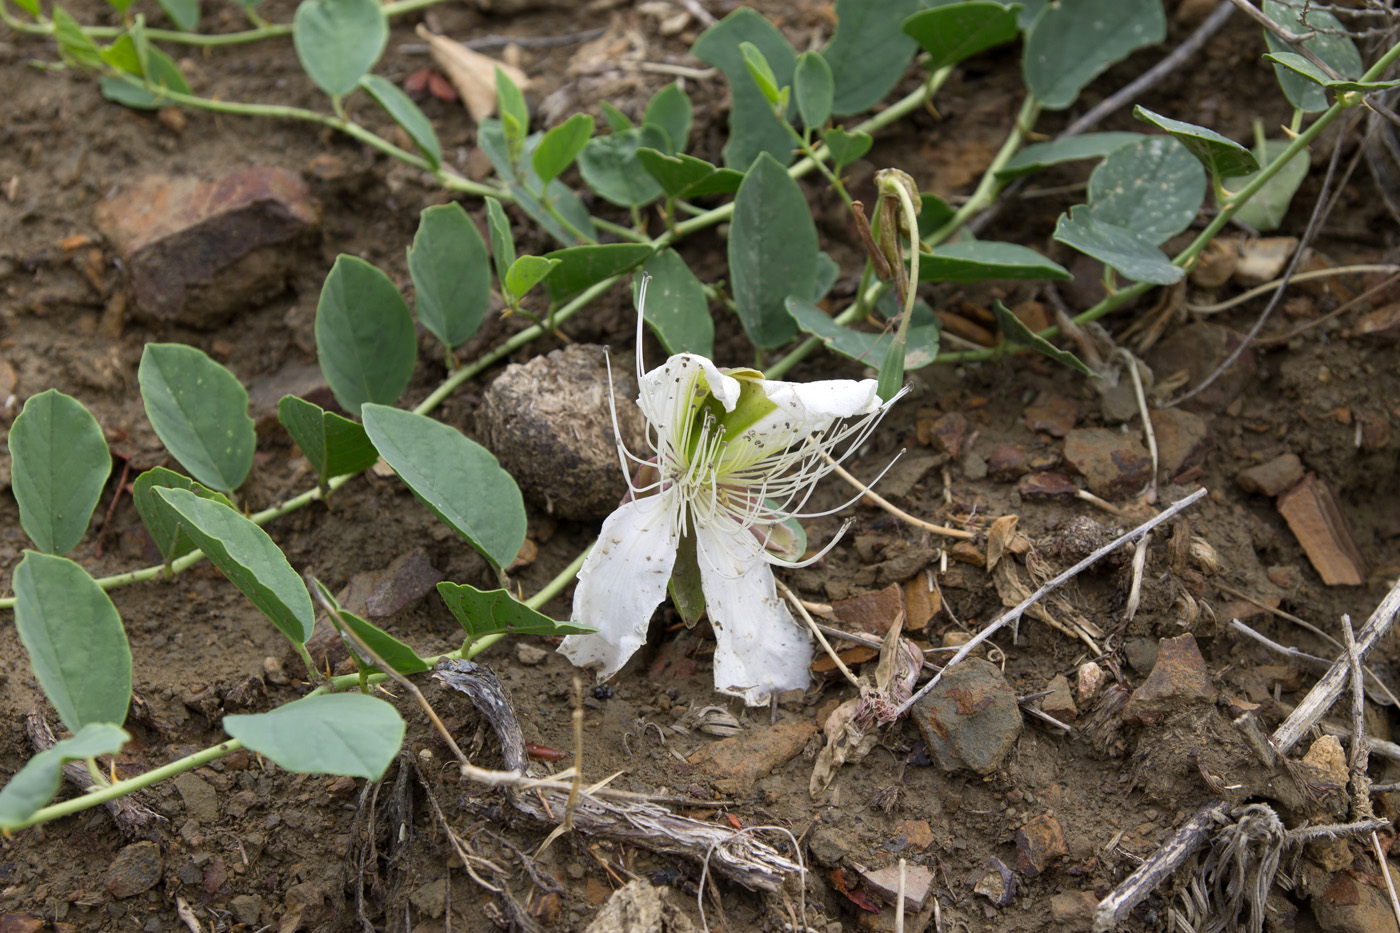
(1000, 535)
(471, 73)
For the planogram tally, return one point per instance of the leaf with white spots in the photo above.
(1070, 44)
(1153, 187)
(200, 413)
(1223, 157)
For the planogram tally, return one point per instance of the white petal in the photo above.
(813, 406)
(667, 390)
(760, 650)
(622, 582)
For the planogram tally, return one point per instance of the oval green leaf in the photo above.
(338, 41)
(502, 241)
(399, 656)
(524, 274)
(37, 782)
(920, 348)
(200, 412)
(610, 166)
(1222, 157)
(333, 445)
(1073, 43)
(980, 260)
(1126, 250)
(488, 612)
(677, 310)
(59, 463)
(578, 267)
(364, 335)
(1153, 187)
(753, 127)
(343, 733)
(560, 146)
(670, 111)
(1038, 156)
(868, 52)
(406, 114)
(1265, 211)
(245, 554)
(183, 13)
(814, 89)
(957, 31)
(846, 147)
(77, 647)
(161, 524)
(685, 176)
(1331, 44)
(456, 478)
(74, 44)
(451, 275)
(1015, 331)
(772, 252)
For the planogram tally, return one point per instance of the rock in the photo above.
(1060, 701)
(406, 580)
(1073, 907)
(1090, 680)
(872, 613)
(1044, 485)
(916, 833)
(1197, 350)
(529, 655)
(1007, 462)
(640, 907)
(736, 763)
(828, 846)
(1038, 843)
(1051, 414)
(1272, 478)
(1315, 517)
(945, 434)
(199, 251)
(248, 909)
(1351, 905)
(918, 881)
(1141, 654)
(1113, 465)
(136, 868)
(1262, 259)
(21, 923)
(201, 800)
(974, 467)
(1182, 440)
(1327, 762)
(1178, 680)
(430, 898)
(996, 884)
(970, 720)
(550, 425)
(302, 379)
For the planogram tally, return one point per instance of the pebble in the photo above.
(1044, 485)
(136, 868)
(1039, 843)
(918, 882)
(1179, 679)
(997, 884)
(1051, 414)
(1073, 907)
(1141, 654)
(1007, 462)
(1350, 905)
(945, 434)
(198, 251)
(1113, 465)
(201, 800)
(1091, 679)
(970, 720)
(248, 909)
(530, 655)
(1272, 478)
(1060, 701)
(1183, 440)
(735, 764)
(828, 846)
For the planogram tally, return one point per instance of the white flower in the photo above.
(734, 455)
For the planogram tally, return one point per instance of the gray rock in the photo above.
(136, 868)
(970, 720)
(248, 909)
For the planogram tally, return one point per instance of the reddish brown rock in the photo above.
(1039, 843)
(1052, 414)
(1178, 680)
(1315, 517)
(1043, 485)
(946, 434)
(1007, 462)
(871, 612)
(736, 763)
(997, 884)
(918, 881)
(1073, 907)
(1182, 440)
(1113, 465)
(1352, 905)
(1059, 703)
(198, 251)
(1272, 478)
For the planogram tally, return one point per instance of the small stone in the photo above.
(1272, 478)
(1141, 654)
(431, 898)
(642, 907)
(918, 881)
(917, 833)
(200, 251)
(248, 909)
(1352, 905)
(1179, 679)
(406, 580)
(136, 868)
(530, 655)
(1007, 462)
(21, 923)
(1038, 843)
(872, 613)
(973, 466)
(201, 800)
(1285, 576)
(1262, 259)
(1060, 701)
(997, 884)
(1074, 907)
(1314, 515)
(274, 672)
(1113, 465)
(971, 719)
(735, 764)
(1090, 680)
(828, 846)
(1327, 761)
(945, 434)
(1183, 439)
(1043, 485)
(1051, 414)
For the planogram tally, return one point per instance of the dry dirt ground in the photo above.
(249, 847)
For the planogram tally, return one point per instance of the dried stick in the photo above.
(812, 624)
(1385, 872)
(132, 817)
(1015, 613)
(895, 510)
(1360, 782)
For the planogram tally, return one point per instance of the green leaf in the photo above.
(685, 176)
(393, 652)
(1297, 63)
(343, 733)
(490, 612)
(1073, 43)
(59, 463)
(772, 252)
(1132, 254)
(616, 120)
(814, 89)
(1153, 187)
(183, 13)
(244, 554)
(670, 110)
(1334, 47)
(502, 242)
(163, 525)
(981, 260)
(161, 70)
(566, 204)
(760, 72)
(364, 335)
(934, 212)
(456, 478)
(921, 343)
(515, 115)
(846, 147)
(1038, 156)
(677, 310)
(958, 31)
(524, 274)
(828, 270)
(122, 54)
(338, 41)
(451, 275)
(1018, 333)
(200, 412)
(868, 52)
(610, 167)
(1222, 157)
(1265, 211)
(579, 267)
(334, 446)
(561, 145)
(406, 114)
(29, 6)
(753, 127)
(74, 44)
(686, 586)
(37, 782)
(77, 648)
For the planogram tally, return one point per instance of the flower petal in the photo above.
(760, 650)
(622, 582)
(668, 390)
(813, 406)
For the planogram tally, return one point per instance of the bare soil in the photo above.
(248, 846)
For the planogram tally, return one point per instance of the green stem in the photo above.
(626, 233)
